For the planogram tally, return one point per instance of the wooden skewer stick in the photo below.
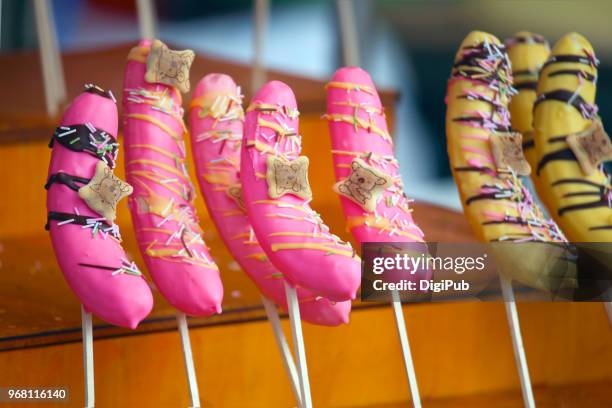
(283, 347)
(181, 321)
(147, 26)
(88, 363)
(517, 342)
(608, 305)
(1, 9)
(298, 344)
(146, 19)
(58, 68)
(403, 335)
(260, 27)
(350, 56)
(51, 62)
(348, 32)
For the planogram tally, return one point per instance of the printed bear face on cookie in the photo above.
(169, 67)
(288, 177)
(104, 191)
(364, 185)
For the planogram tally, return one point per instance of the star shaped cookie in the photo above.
(364, 186)
(288, 177)
(169, 67)
(104, 191)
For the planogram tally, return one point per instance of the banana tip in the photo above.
(215, 83)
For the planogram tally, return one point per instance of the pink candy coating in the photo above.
(186, 276)
(217, 157)
(334, 273)
(362, 100)
(119, 299)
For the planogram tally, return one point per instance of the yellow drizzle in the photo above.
(366, 155)
(311, 245)
(139, 54)
(158, 150)
(156, 122)
(284, 110)
(155, 178)
(260, 256)
(276, 127)
(160, 165)
(264, 148)
(296, 234)
(232, 213)
(380, 223)
(351, 86)
(159, 230)
(354, 120)
(223, 179)
(282, 204)
(359, 106)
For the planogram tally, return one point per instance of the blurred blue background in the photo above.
(405, 45)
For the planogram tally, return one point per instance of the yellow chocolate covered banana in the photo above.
(577, 193)
(527, 52)
(497, 205)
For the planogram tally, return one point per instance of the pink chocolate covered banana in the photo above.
(216, 123)
(81, 203)
(369, 183)
(164, 217)
(277, 194)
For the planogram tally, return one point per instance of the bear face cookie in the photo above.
(169, 67)
(288, 177)
(364, 186)
(104, 191)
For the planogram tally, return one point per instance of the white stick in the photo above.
(298, 344)
(260, 28)
(283, 347)
(0, 22)
(53, 76)
(348, 32)
(88, 367)
(517, 342)
(146, 19)
(350, 56)
(403, 335)
(608, 305)
(181, 321)
(56, 58)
